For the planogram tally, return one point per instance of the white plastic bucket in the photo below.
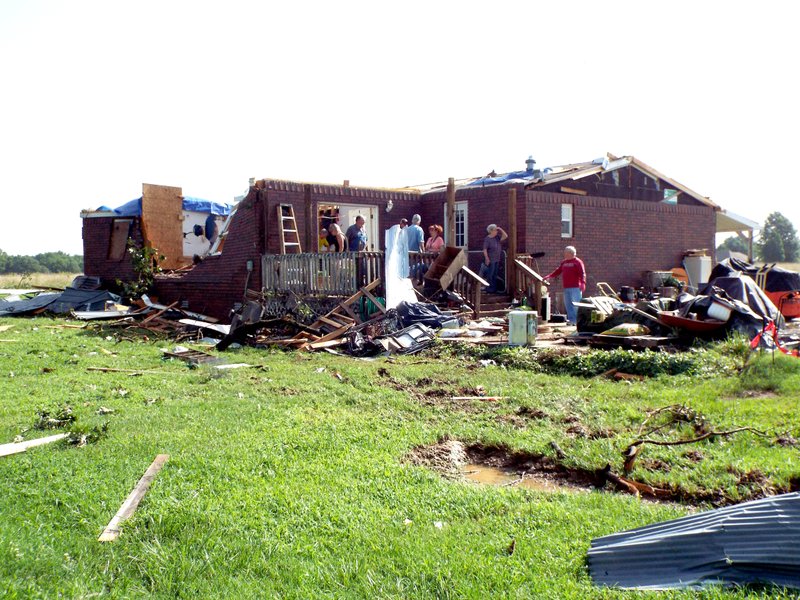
(719, 311)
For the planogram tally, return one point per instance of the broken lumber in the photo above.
(130, 371)
(17, 447)
(112, 530)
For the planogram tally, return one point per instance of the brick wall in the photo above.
(216, 284)
(617, 239)
(305, 197)
(628, 182)
(96, 234)
(486, 205)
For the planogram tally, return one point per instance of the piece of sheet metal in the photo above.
(751, 543)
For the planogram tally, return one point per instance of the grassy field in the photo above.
(292, 479)
(19, 281)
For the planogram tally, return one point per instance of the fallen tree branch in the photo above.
(700, 438)
(632, 451)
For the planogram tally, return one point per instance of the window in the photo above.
(670, 196)
(566, 220)
(461, 225)
(120, 230)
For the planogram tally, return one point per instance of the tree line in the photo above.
(47, 262)
(777, 241)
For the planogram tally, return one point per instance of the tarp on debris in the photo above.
(133, 208)
(75, 299)
(751, 543)
(776, 278)
(739, 286)
(421, 312)
(60, 302)
(24, 307)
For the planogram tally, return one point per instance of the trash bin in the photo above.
(698, 268)
(522, 326)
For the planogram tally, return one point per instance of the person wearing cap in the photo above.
(492, 253)
(573, 274)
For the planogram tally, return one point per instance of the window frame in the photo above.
(570, 219)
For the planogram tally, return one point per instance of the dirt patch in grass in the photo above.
(754, 394)
(439, 393)
(502, 466)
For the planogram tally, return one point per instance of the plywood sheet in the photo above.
(162, 215)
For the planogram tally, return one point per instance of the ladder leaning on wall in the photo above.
(289, 236)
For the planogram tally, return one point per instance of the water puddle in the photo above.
(487, 475)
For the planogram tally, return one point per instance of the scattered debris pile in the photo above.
(781, 286)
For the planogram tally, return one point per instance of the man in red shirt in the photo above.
(574, 281)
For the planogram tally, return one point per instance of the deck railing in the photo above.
(343, 273)
(321, 273)
(416, 260)
(469, 286)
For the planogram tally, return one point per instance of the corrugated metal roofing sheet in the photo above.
(754, 542)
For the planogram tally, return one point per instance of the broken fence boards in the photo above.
(17, 447)
(112, 530)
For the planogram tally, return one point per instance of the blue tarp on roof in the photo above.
(134, 207)
(206, 206)
(504, 177)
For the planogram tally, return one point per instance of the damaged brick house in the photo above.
(624, 217)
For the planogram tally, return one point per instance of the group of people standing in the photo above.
(571, 269)
(333, 239)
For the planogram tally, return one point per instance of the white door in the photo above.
(348, 214)
(461, 240)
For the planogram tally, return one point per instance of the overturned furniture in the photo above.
(444, 269)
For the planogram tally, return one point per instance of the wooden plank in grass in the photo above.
(16, 448)
(112, 530)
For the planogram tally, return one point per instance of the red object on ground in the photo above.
(787, 302)
(673, 320)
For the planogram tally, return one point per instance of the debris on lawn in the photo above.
(663, 316)
(81, 436)
(113, 529)
(751, 543)
(54, 418)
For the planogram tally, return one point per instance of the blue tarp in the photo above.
(134, 207)
(206, 206)
(527, 175)
(129, 209)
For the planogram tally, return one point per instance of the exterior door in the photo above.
(461, 240)
(348, 214)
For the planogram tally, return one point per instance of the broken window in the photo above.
(670, 196)
(566, 220)
(120, 231)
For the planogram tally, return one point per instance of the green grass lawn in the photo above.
(287, 481)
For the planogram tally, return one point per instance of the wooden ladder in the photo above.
(290, 237)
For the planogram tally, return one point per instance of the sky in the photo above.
(99, 97)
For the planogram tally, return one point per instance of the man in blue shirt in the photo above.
(356, 237)
(416, 237)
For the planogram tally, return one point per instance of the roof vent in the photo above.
(529, 164)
